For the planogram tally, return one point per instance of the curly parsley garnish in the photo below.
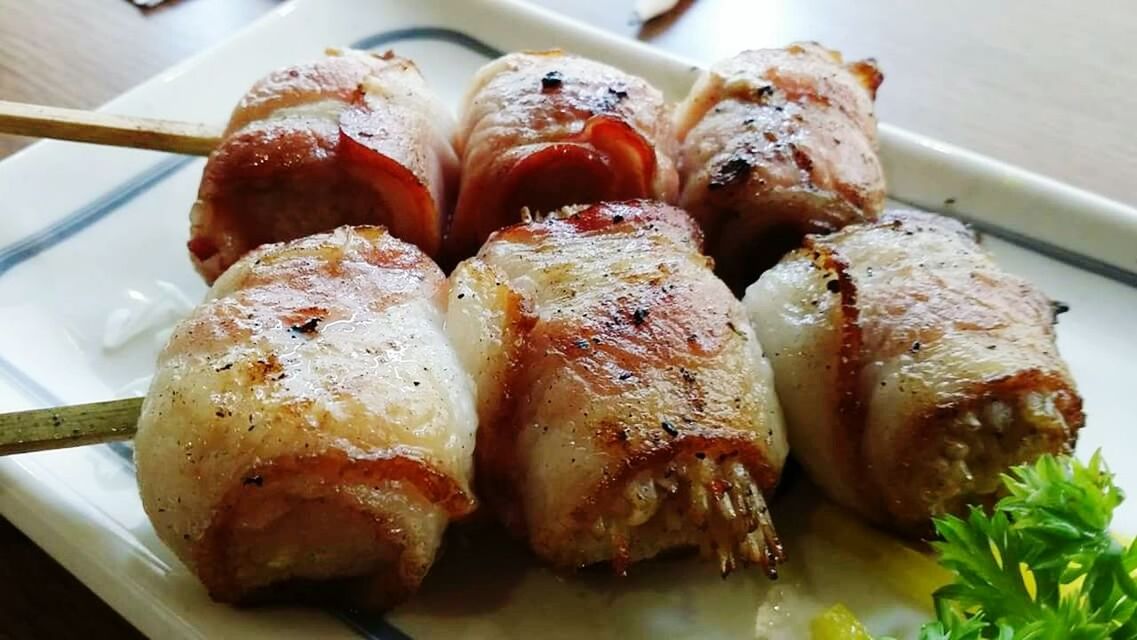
(1043, 564)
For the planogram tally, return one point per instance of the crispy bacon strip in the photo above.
(311, 423)
(912, 369)
(354, 138)
(625, 405)
(775, 144)
(545, 129)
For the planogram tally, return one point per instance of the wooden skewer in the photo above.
(40, 121)
(70, 426)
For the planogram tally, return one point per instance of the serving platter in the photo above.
(93, 273)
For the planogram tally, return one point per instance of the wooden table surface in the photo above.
(1044, 84)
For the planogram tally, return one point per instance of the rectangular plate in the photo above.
(93, 272)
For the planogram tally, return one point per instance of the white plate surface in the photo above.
(93, 271)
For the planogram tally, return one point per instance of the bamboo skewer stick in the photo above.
(84, 424)
(40, 121)
(71, 426)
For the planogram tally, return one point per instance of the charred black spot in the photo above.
(1057, 308)
(618, 92)
(254, 480)
(224, 367)
(669, 428)
(617, 219)
(639, 316)
(734, 171)
(308, 327)
(625, 375)
(761, 93)
(833, 286)
(552, 81)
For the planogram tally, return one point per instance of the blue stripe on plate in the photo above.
(440, 34)
(368, 625)
(1061, 254)
(372, 626)
(92, 212)
(25, 383)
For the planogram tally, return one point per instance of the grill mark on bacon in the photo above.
(850, 405)
(653, 331)
(540, 127)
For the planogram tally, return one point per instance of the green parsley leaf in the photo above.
(1043, 564)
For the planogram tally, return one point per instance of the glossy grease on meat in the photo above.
(311, 422)
(625, 403)
(775, 144)
(546, 129)
(353, 138)
(913, 371)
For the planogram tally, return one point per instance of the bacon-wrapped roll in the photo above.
(775, 144)
(625, 404)
(311, 421)
(353, 138)
(912, 369)
(546, 129)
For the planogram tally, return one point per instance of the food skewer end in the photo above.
(96, 127)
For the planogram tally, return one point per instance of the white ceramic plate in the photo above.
(93, 270)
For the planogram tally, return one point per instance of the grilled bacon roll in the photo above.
(546, 129)
(353, 138)
(625, 404)
(775, 144)
(913, 371)
(311, 422)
